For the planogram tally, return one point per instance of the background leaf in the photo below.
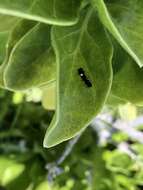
(32, 60)
(127, 81)
(124, 19)
(59, 12)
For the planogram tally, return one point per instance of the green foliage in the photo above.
(36, 45)
(51, 12)
(25, 164)
(72, 53)
(122, 20)
(127, 81)
(44, 43)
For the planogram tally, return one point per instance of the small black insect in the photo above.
(84, 78)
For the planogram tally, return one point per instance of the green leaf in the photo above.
(17, 33)
(127, 81)
(14, 35)
(124, 19)
(32, 60)
(6, 26)
(58, 12)
(79, 46)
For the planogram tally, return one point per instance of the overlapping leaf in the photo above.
(128, 77)
(31, 59)
(79, 46)
(59, 12)
(124, 19)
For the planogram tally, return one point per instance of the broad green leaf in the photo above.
(124, 19)
(127, 81)
(58, 12)
(32, 60)
(79, 46)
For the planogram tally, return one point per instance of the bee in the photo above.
(84, 78)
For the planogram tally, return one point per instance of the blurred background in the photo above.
(107, 155)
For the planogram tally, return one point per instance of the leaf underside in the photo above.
(78, 104)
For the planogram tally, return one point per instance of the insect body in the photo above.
(84, 78)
